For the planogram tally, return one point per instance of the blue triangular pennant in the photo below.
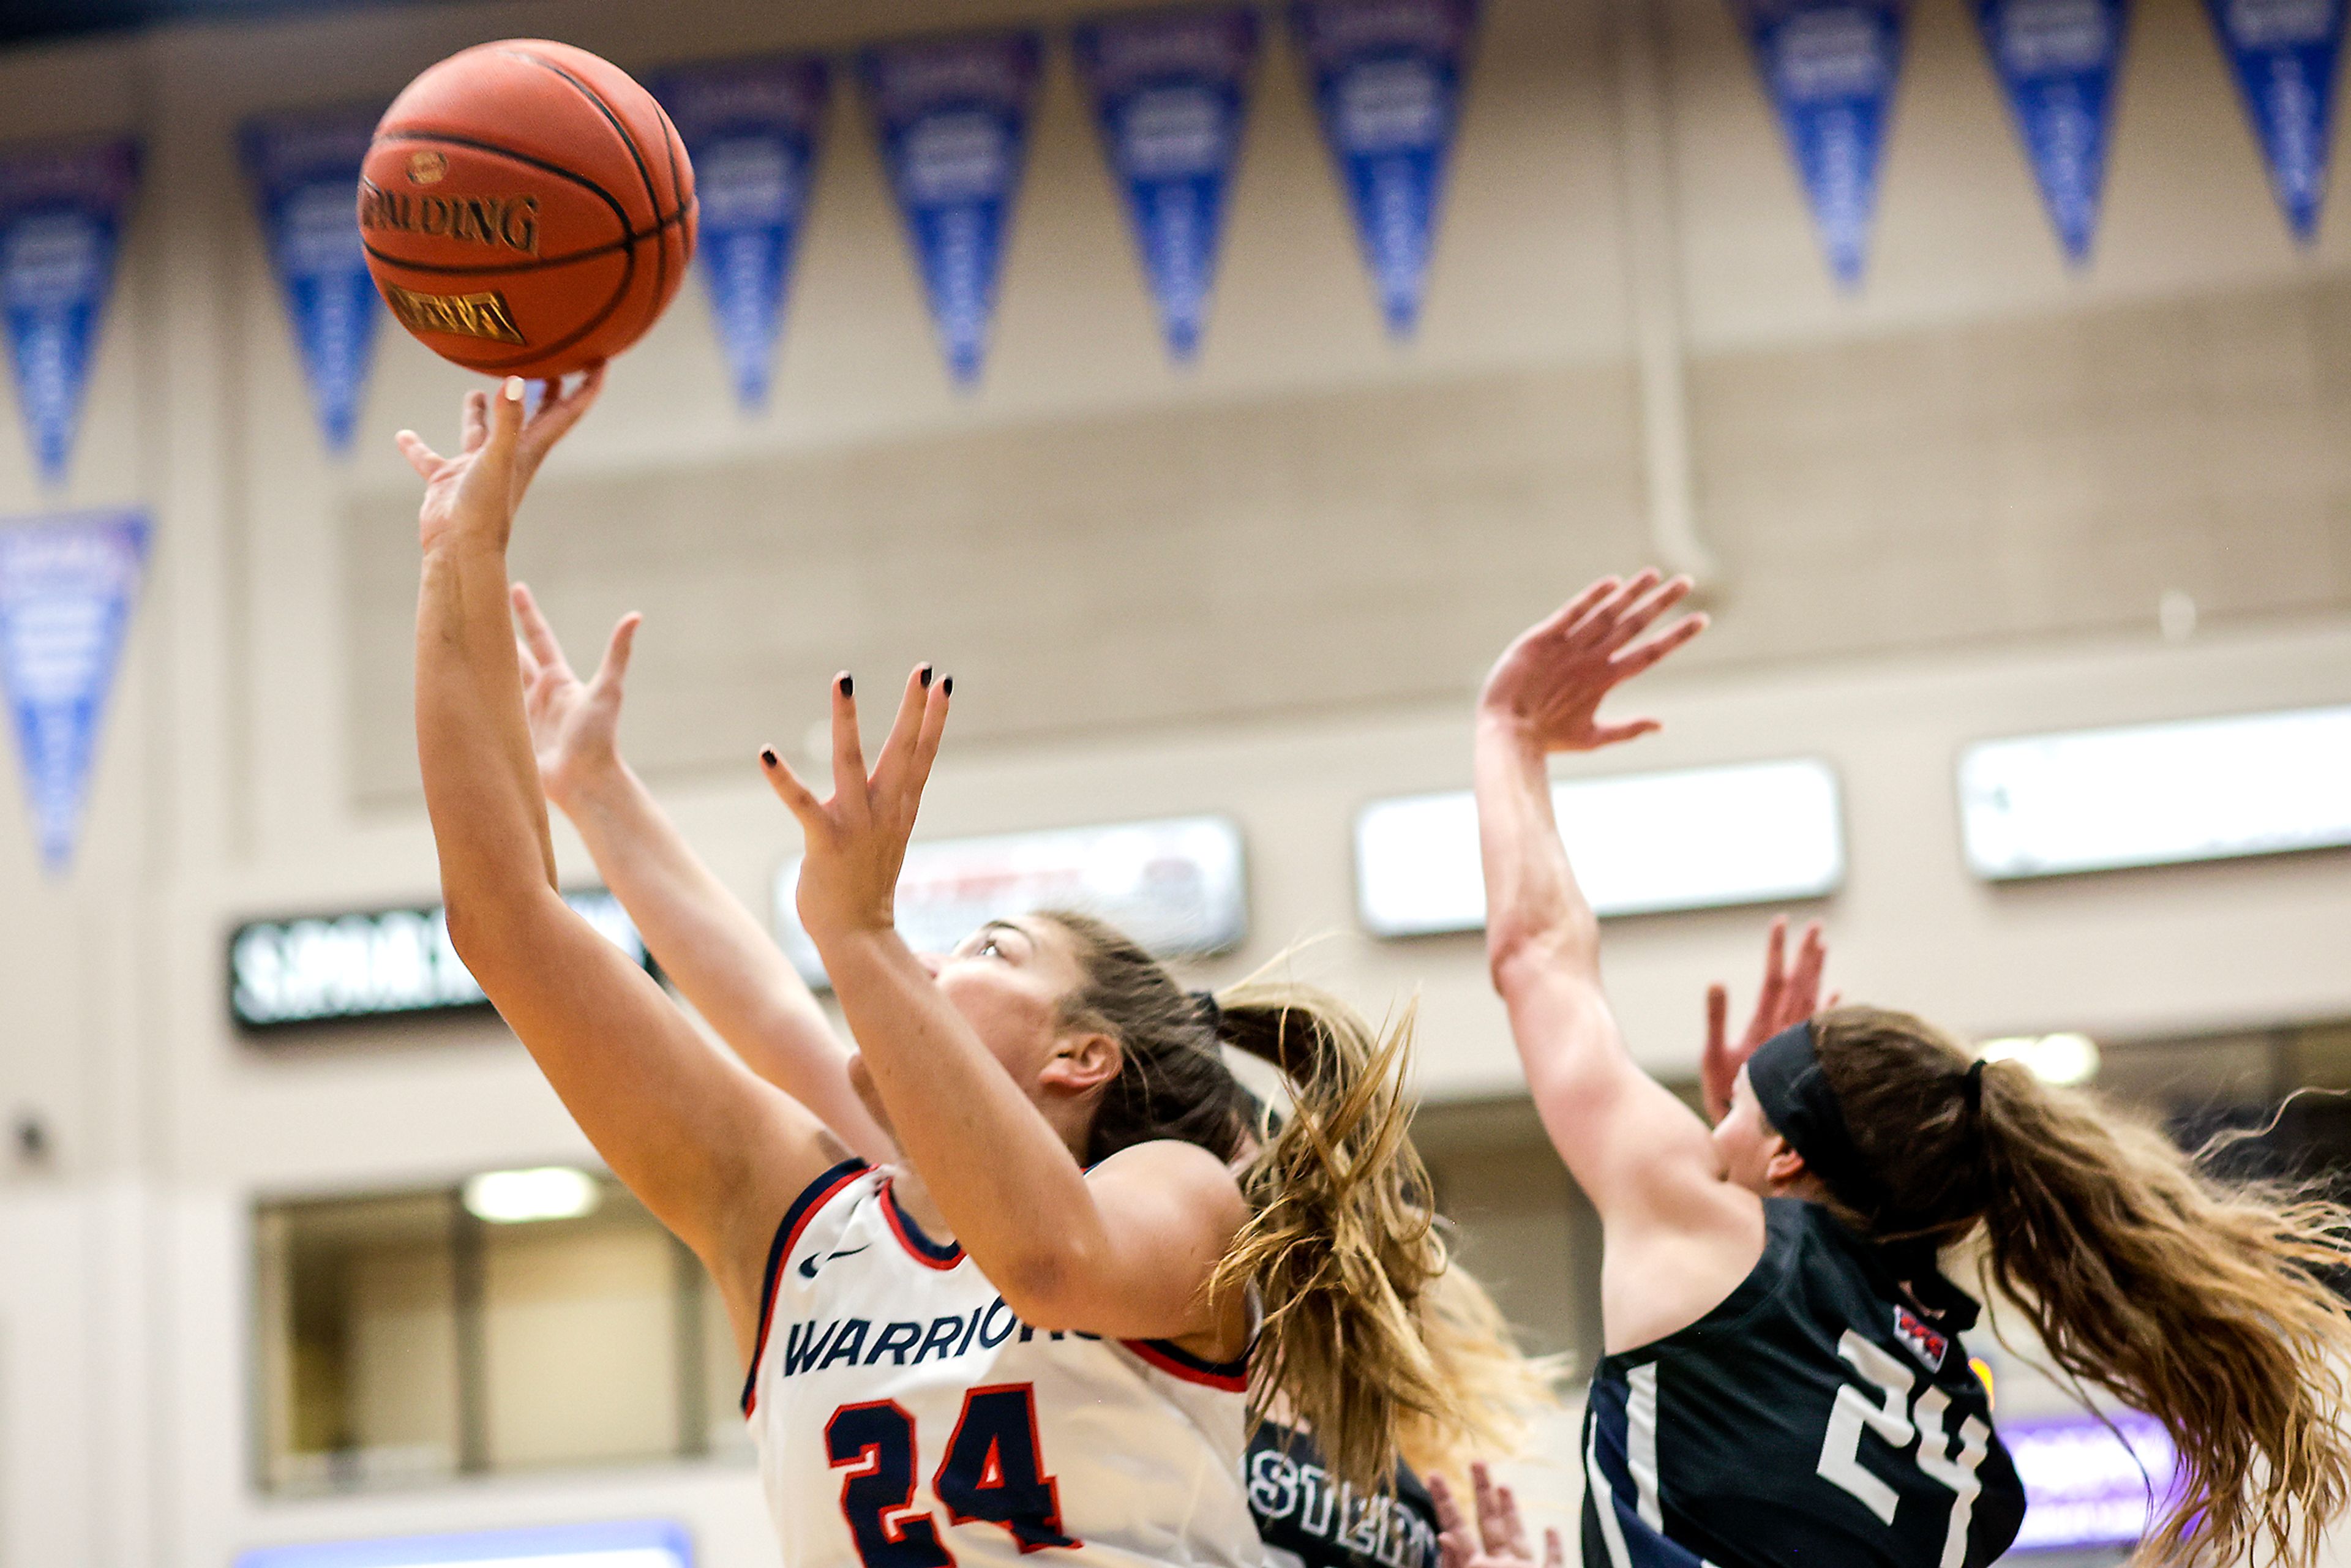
(1830, 68)
(2056, 59)
(2284, 53)
(1170, 91)
(953, 115)
(61, 225)
(67, 585)
(1387, 78)
(305, 169)
(753, 129)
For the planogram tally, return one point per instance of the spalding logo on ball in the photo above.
(527, 208)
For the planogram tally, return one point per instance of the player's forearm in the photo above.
(1014, 1198)
(481, 782)
(1536, 914)
(715, 952)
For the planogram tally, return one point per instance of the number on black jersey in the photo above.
(1951, 1459)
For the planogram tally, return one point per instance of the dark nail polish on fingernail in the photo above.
(926, 677)
(848, 686)
(768, 754)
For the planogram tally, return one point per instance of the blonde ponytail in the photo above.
(1370, 1341)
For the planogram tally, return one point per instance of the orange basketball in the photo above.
(527, 208)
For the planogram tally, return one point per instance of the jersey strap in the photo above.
(1173, 1359)
(815, 1195)
(930, 1254)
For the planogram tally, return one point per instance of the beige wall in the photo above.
(1943, 508)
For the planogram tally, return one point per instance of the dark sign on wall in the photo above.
(389, 963)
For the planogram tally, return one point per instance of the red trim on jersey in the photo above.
(804, 1208)
(1232, 1377)
(919, 1246)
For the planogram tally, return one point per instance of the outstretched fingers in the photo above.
(537, 634)
(559, 410)
(891, 769)
(476, 420)
(1803, 995)
(1632, 661)
(850, 781)
(1642, 613)
(1554, 1548)
(614, 667)
(926, 738)
(796, 797)
(1775, 971)
(421, 457)
(1715, 1070)
(1454, 1547)
(1498, 1513)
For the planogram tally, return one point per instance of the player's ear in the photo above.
(1783, 1163)
(1082, 1061)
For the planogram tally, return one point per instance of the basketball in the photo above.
(527, 208)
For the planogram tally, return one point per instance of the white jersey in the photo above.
(905, 1419)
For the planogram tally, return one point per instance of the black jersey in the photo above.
(1815, 1417)
(1307, 1519)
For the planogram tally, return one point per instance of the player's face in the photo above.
(1008, 980)
(1745, 1142)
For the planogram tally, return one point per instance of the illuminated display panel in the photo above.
(1177, 887)
(628, 1544)
(2157, 794)
(389, 963)
(2083, 1486)
(1700, 838)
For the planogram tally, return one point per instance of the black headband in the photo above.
(1796, 1099)
(1211, 1015)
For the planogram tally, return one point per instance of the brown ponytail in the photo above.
(2202, 1302)
(1341, 1244)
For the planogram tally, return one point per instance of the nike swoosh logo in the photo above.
(809, 1264)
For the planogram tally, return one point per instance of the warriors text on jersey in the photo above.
(1815, 1417)
(905, 1419)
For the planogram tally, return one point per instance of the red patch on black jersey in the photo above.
(1918, 1339)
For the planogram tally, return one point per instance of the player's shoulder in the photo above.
(1171, 1164)
(825, 1201)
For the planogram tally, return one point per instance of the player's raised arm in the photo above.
(1126, 1252)
(712, 949)
(715, 1154)
(1645, 1160)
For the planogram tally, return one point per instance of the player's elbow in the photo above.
(1048, 1287)
(489, 933)
(1520, 956)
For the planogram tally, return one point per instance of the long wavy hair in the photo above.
(1371, 1339)
(2210, 1304)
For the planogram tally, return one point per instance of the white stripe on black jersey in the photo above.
(1813, 1418)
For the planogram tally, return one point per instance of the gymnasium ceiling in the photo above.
(30, 21)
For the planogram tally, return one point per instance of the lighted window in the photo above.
(521, 1320)
(1700, 838)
